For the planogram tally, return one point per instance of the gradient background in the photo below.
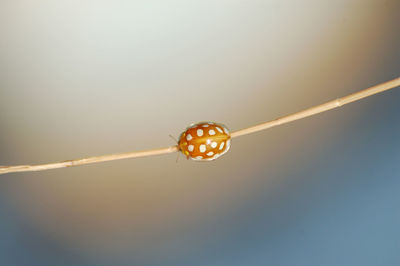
(81, 78)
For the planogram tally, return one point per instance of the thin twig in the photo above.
(321, 108)
(97, 159)
(283, 120)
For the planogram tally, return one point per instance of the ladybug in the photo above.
(204, 141)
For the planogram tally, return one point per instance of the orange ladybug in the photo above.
(205, 141)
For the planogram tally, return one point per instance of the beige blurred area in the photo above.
(82, 78)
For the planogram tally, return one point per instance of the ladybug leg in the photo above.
(177, 158)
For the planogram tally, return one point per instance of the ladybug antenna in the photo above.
(172, 137)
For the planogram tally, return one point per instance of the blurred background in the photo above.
(81, 78)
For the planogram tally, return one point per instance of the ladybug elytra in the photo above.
(205, 141)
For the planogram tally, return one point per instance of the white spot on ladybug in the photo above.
(211, 132)
(199, 132)
(205, 125)
(214, 144)
(199, 157)
(215, 156)
(190, 148)
(228, 143)
(210, 153)
(208, 141)
(202, 148)
(222, 145)
(219, 129)
(226, 130)
(189, 137)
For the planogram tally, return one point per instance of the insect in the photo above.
(205, 141)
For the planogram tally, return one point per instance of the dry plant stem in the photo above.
(283, 120)
(320, 108)
(97, 159)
